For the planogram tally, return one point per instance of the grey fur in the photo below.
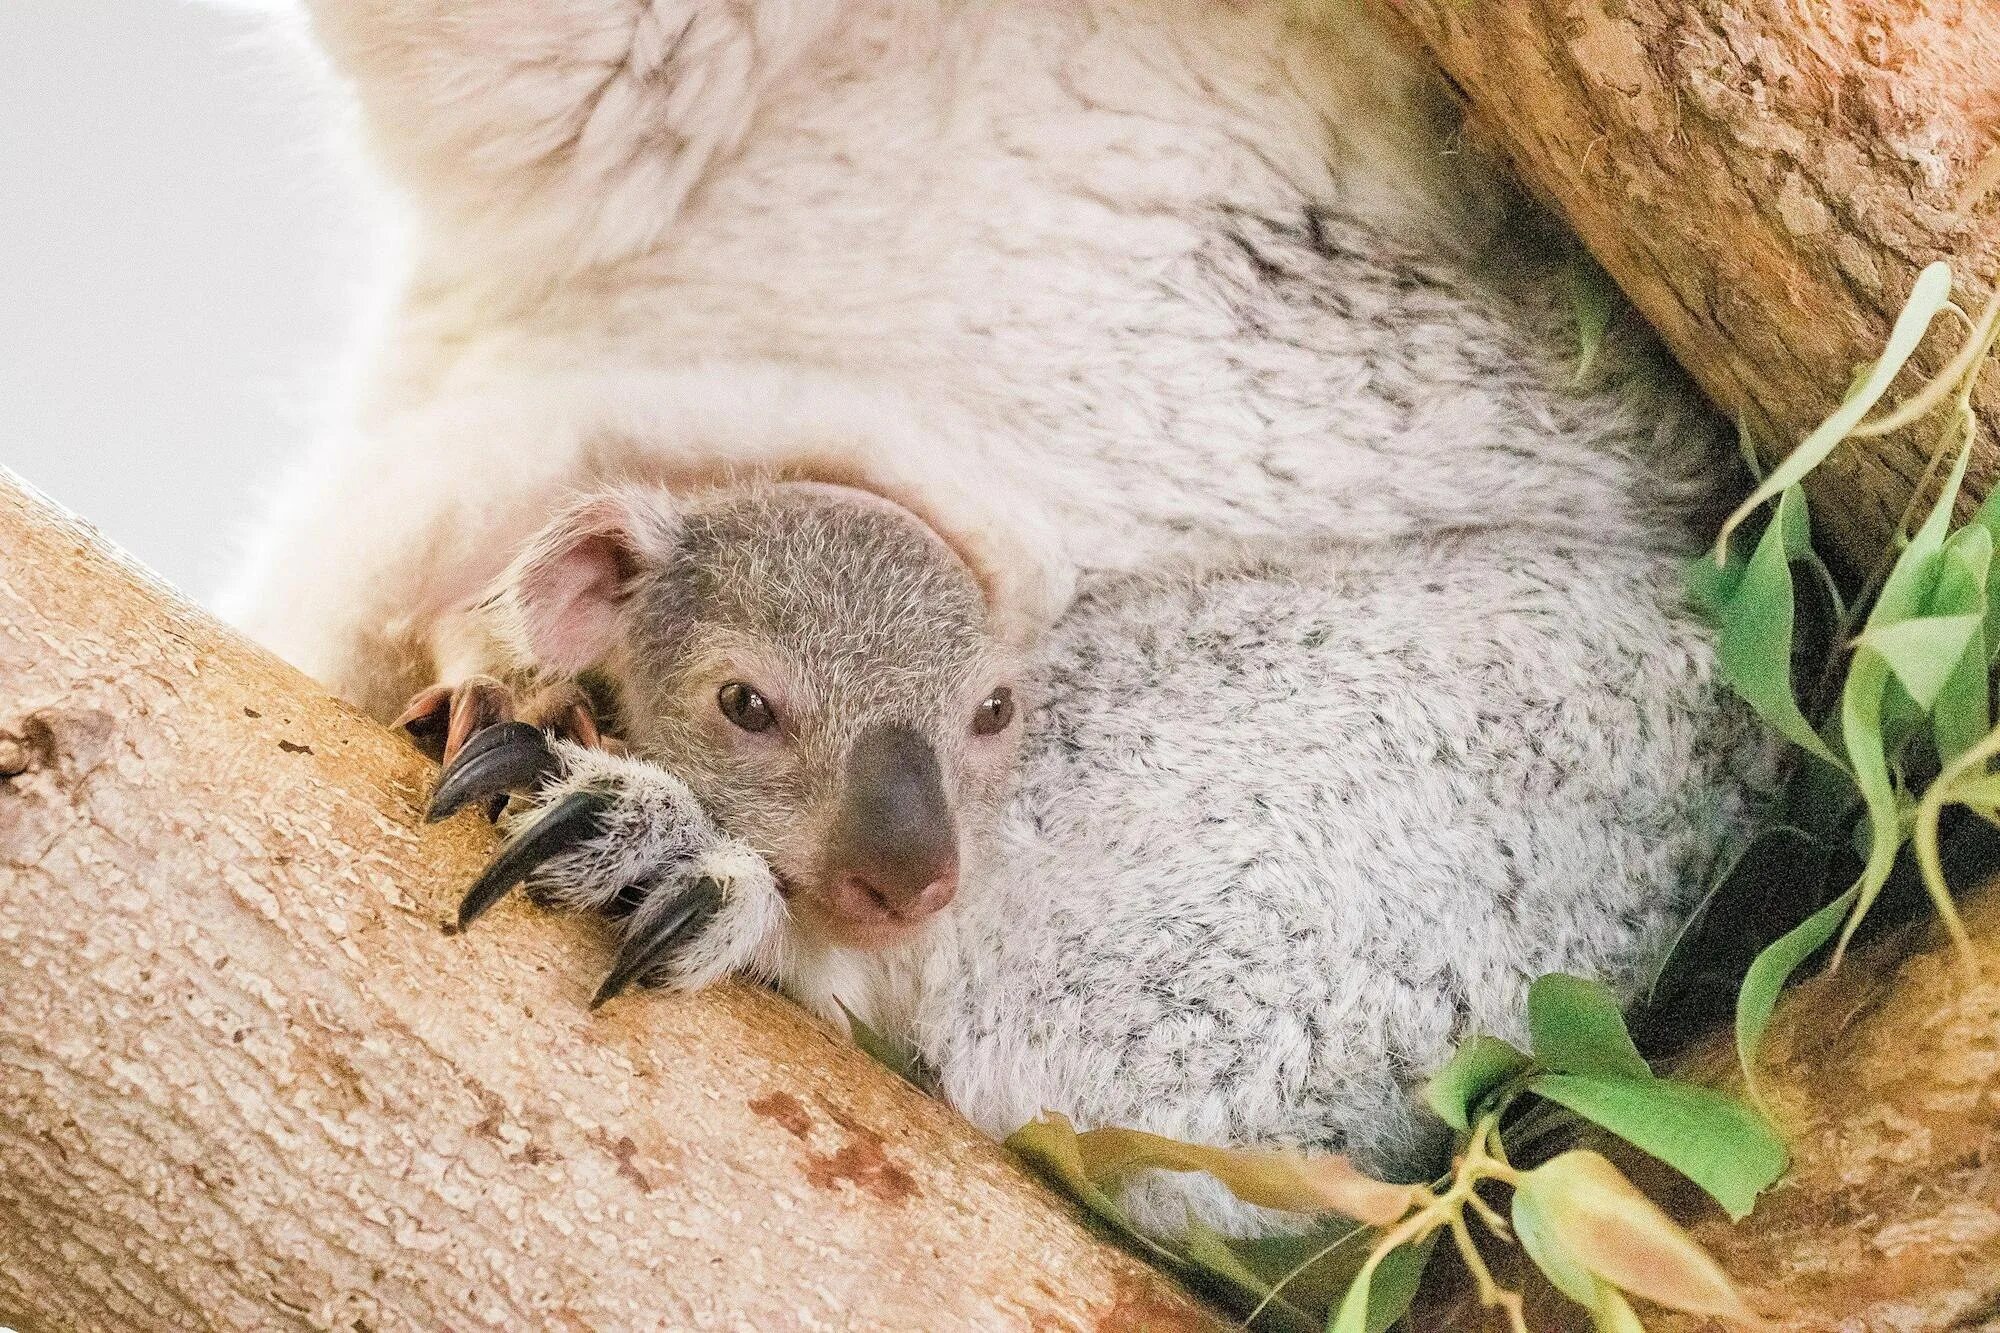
(1378, 698)
(1289, 830)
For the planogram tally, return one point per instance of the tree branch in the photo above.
(1765, 179)
(252, 1083)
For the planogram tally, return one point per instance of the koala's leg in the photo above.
(578, 122)
(618, 836)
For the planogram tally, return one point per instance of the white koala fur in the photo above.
(1377, 701)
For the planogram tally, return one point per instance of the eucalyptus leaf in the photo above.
(1712, 1139)
(1960, 714)
(1592, 299)
(1600, 1222)
(1396, 1281)
(1924, 650)
(1773, 967)
(1861, 705)
(1211, 1252)
(900, 1058)
(1756, 620)
(1928, 296)
(1478, 1067)
(1536, 1232)
(1578, 1027)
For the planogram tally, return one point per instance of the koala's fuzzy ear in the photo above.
(559, 602)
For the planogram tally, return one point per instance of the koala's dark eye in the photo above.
(745, 707)
(995, 711)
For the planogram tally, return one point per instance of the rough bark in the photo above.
(1764, 178)
(246, 1080)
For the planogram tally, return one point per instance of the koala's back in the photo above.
(1289, 830)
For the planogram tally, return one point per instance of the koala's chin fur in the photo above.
(1376, 701)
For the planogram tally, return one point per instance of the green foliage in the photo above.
(1593, 300)
(1576, 1026)
(1714, 1140)
(1479, 1069)
(1912, 699)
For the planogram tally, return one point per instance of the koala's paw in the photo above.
(604, 833)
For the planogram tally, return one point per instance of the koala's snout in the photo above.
(892, 857)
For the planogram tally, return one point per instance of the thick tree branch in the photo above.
(249, 1081)
(1764, 178)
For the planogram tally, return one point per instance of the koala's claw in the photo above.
(658, 929)
(512, 756)
(624, 838)
(563, 827)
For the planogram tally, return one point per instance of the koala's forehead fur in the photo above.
(844, 594)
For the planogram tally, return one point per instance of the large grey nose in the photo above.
(893, 851)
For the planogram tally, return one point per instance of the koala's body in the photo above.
(1377, 701)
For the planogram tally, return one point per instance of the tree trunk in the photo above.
(250, 1082)
(1764, 178)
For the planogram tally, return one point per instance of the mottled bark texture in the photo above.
(1764, 178)
(247, 1081)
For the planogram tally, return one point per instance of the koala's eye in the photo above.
(995, 711)
(745, 707)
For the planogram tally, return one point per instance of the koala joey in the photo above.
(1237, 855)
(1174, 350)
(820, 726)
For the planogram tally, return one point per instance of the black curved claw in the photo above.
(655, 941)
(569, 822)
(494, 762)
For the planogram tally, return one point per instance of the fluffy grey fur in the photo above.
(1377, 699)
(1289, 829)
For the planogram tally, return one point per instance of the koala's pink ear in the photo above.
(564, 594)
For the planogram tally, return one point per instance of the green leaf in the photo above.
(1352, 1316)
(1578, 1027)
(1382, 1291)
(1592, 299)
(1533, 1228)
(1758, 998)
(1712, 1139)
(1861, 704)
(1050, 1146)
(1710, 586)
(1928, 296)
(1959, 717)
(1476, 1068)
(1923, 651)
(1756, 623)
(1397, 1278)
(900, 1058)
(1210, 1251)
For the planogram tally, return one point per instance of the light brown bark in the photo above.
(1764, 178)
(247, 1081)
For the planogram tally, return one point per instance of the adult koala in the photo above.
(1189, 301)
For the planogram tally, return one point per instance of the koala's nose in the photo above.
(893, 853)
(876, 900)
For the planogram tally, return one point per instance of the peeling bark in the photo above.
(1764, 178)
(247, 1081)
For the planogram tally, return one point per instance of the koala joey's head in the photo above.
(812, 660)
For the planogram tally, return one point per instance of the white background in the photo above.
(175, 251)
